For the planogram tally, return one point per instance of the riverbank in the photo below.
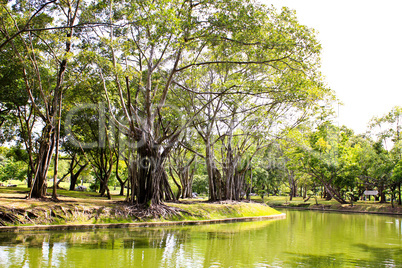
(25, 228)
(94, 212)
(369, 207)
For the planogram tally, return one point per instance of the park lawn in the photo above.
(15, 197)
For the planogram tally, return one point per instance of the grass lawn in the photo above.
(15, 197)
(206, 211)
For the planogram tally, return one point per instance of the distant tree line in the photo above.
(320, 158)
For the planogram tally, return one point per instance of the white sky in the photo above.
(361, 55)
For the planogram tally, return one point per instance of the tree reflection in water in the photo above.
(306, 238)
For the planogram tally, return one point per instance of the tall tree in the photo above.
(386, 131)
(330, 158)
(42, 47)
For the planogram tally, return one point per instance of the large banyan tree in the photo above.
(146, 51)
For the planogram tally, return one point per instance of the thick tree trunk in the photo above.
(381, 193)
(74, 177)
(73, 181)
(29, 176)
(122, 185)
(292, 185)
(46, 146)
(151, 180)
(239, 186)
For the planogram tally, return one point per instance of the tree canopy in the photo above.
(161, 93)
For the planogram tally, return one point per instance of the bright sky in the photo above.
(362, 53)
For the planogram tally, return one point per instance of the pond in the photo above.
(303, 239)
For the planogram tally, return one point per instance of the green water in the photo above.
(303, 239)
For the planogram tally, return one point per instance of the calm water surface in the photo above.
(303, 239)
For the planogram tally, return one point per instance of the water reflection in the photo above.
(304, 239)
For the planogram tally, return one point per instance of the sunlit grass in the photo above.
(208, 211)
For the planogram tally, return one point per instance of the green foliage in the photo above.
(388, 127)
(11, 165)
(261, 180)
(10, 170)
(200, 184)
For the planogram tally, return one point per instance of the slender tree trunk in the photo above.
(331, 192)
(57, 120)
(214, 177)
(334, 194)
(121, 182)
(166, 192)
(132, 180)
(327, 194)
(179, 192)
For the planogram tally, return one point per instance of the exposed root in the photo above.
(153, 212)
(56, 214)
(9, 216)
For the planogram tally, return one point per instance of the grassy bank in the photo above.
(88, 208)
(222, 210)
(359, 206)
